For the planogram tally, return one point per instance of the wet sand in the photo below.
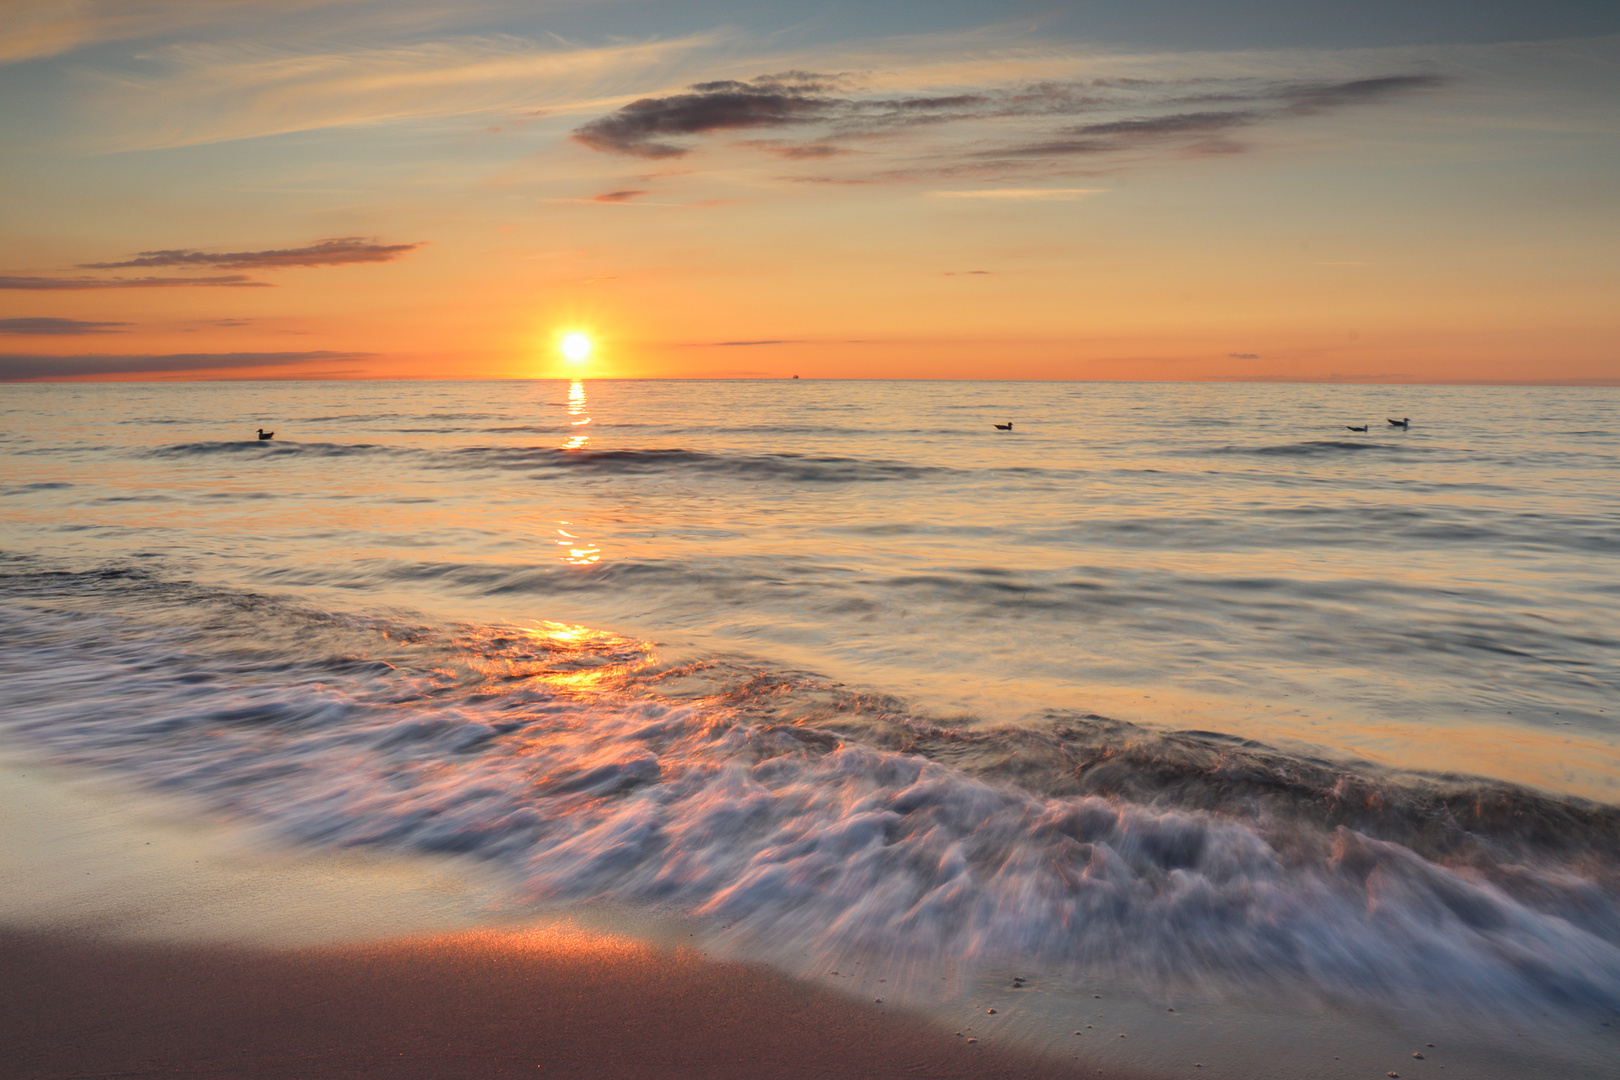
(140, 940)
(474, 1005)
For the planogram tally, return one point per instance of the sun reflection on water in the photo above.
(569, 658)
(577, 551)
(579, 440)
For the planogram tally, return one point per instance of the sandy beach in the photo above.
(470, 1005)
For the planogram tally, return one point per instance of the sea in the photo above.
(1192, 690)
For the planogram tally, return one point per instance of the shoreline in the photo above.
(140, 939)
(140, 936)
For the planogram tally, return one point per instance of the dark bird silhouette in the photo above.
(1004, 427)
(1405, 421)
(263, 434)
(1352, 427)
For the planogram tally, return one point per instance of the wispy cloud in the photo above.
(198, 93)
(50, 284)
(619, 196)
(999, 130)
(57, 327)
(1019, 193)
(338, 252)
(15, 366)
(30, 29)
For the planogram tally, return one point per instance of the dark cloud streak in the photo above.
(57, 327)
(51, 284)
(18, 366)
(338, 252)
(670, 126)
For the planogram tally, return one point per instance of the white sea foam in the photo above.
(557, 758)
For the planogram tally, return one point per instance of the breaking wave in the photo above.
(813, 820)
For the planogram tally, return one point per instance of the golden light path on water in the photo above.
(577, 552)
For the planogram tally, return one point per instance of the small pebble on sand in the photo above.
(973, 1040)
(1417, 1055)
(878, 1000)
(990, 1011)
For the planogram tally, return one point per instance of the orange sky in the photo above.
(986, 199)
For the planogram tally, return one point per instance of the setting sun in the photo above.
(576, 347)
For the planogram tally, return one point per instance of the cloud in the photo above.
(1019, 193)
(1307, 98)
(47, 284)
(1242, 356)
(57, 327)
(642, 127)
(618, 196)
(257, 85)
(15, 366)
(338, 252)
(969, 273)
(991, 130)
(30, 29)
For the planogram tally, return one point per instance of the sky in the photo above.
(1372, 191)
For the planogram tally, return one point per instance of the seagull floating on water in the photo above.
(1405, 421)
(263, 434)
(1004, 427)
(1352, 427)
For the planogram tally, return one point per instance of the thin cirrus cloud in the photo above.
(1019, 193)
(18, 366)
(43, 327)
(190, 94)
(1010, 126)
(54, 284)
(338, 252)
(30, 29)
(624, 196)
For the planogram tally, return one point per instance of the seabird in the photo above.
(1004, 427)
(263, 434)
(1405, 421)
(1352, 427)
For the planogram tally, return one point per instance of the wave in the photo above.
(631, 462)
(627, 462)
(1313, 448)
(276, 448)
(813, 820)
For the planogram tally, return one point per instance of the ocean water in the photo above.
(1182, 685)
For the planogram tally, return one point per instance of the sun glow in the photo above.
(576, 347)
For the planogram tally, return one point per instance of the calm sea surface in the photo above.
(1185, 681)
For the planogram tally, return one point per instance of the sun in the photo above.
(576, 347)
